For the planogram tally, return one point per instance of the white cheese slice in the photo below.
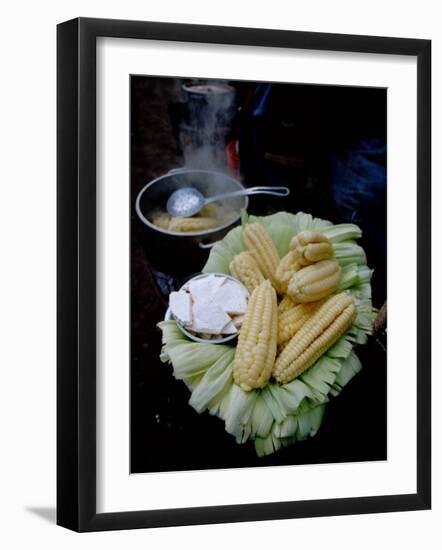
(208, 317)
(237, 320)
(231, 297)
(229, 329)
(205, 287)
(180, 304)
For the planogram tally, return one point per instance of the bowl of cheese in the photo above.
(209, 308)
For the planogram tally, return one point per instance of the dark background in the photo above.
(328, 144)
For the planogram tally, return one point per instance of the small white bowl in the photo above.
(169, 315)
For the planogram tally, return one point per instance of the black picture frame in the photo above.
(76, 274)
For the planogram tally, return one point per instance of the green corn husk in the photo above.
(349, 253)
(349, 369)
(239, 413)
(190, 359)
(310, 422)
(287, 427)
(293, 394)
(274, 403)
(341, 349)
(364, 275)
(343, 232)
(261, 419)
(349, 277)
(267, 445)
(320, 377)
(291, 430)
(214, 384)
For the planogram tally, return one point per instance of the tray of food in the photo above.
(269, 333)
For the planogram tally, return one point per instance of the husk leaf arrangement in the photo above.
(278, 415)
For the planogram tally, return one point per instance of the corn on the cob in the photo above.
(244, 267)
(210, 210)
(162, 220)
(285, 304)
(256, 349)
(287, 267)
(314, 282)
(317, 335)
(307, 236)
(186, 225)
(310, 247)
(291, 320)
(260, 244)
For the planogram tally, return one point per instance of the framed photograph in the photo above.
(236, 208)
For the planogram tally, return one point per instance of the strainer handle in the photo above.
(276, 191)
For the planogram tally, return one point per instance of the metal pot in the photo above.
(210, 106)
(180, 253)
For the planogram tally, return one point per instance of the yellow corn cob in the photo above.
(162, 220)
(244, 267)
(310, 247)
(186, 225)
(317, 335)
(256, 349)
(210, 210)
(305, 237)
(314, 282)
(260, 244)
(291, 320)
(287, 267)
(285, 304)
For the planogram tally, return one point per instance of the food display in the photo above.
(309, 306)
(210, 216)
(210, 306)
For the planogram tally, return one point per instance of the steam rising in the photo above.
(210, 113)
